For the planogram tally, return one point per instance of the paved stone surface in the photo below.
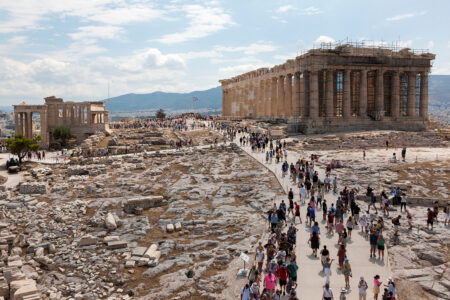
(310, 276)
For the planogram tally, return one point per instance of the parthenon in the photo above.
(84, 118)
(336, 87)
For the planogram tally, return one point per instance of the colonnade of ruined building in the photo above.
(84, 118)
(339, 87)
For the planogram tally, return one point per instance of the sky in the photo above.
(75, 49)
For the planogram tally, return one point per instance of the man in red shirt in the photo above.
(282, 274)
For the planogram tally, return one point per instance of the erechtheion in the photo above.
(84, 118)
(336, 87)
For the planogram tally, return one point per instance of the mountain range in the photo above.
(207, 100)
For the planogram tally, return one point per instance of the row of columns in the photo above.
(23, 123)
(295, 95)
(70, 114)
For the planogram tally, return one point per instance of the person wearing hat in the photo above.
(347, 270)
(362, 287)
(343, 294)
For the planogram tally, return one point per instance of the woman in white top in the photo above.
(259, 256)
(327, 292)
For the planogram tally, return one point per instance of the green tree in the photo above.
(63, 134)
(160, 114)
(20, 145)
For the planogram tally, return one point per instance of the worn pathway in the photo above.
(310, 276)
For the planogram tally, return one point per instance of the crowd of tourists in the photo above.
(274, 273)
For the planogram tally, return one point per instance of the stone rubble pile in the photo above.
(92, 237)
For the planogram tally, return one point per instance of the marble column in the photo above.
(274, 100)
(423, 102)
(260, 94)
(395, 96)
(346, 99)
(44, 128)
(379, 100)
(266, 83)
(329, 105)
(296, 96)
(314, 99)
(363, 94)
(241, 101)
(411, 102)
(29, 124)
(288, 97)
(281, 103)
(224, 102)
(22, 126)
(16, 123)
(304, 102)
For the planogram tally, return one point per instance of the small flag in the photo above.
(194, 99)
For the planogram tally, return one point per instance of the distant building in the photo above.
(84, 118)
(336, 87)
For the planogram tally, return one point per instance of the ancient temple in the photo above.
(333, 88)
(84, 118)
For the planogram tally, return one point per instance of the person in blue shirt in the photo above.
(312, 215)
(273, 221)
(315, 228)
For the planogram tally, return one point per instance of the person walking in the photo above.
(362, 288)
(430, 218)
(347, 271)
(342, 253)
(259, 256)
(396, 222)
(245, 292)
(403, 202)
(327, 293)
(327, 268)
(349, 227)
(373, 238)
(270, 281)
(324, 255)
(282, 275)
(292, 267)
(314, 241)
(380, 246)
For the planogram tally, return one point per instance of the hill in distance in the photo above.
(208, 99)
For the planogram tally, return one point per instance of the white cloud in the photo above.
(283, 58)
(145, 71)
(430, 45)
(311, 11)
(251, 49)
(405, 16)
(285, 8)
(94, 32)
(127, 14)
(324, 39)
(27, 14)
(203, 21)
(200, 54)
